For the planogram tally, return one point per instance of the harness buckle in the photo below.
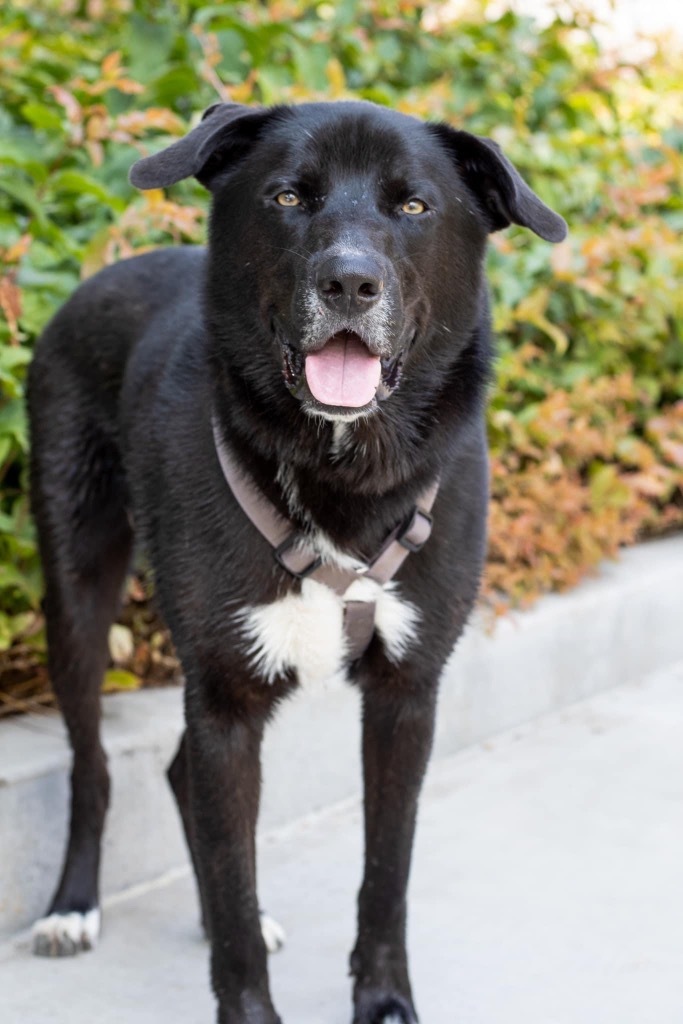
(281, 552)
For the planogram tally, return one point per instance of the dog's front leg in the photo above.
(225, 780)
(398, 728)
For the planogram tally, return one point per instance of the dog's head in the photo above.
(345, 239)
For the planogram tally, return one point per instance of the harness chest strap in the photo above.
(294, 553)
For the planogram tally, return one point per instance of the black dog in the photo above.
(324, 364)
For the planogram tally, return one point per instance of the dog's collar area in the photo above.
(294, 553)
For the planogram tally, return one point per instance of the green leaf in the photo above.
(24, 196)
(12, 579)
(42, 116)
(120, 679)
(75, 182)
(13, 422)
(12, 627)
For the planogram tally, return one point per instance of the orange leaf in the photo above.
(10, 303)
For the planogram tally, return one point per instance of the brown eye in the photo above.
(288, 199)
(414, 207)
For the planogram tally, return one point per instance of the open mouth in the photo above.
(343, 374)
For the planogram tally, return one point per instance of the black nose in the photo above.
(350, 281)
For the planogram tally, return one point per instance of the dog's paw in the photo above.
(273, 933)
(66, 934)
(385, 1011)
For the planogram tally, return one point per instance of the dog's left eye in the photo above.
(414, 207)
(288, 199)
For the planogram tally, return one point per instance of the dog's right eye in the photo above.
(415, 207)
(288, 199)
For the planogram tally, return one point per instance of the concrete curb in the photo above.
(611, 630)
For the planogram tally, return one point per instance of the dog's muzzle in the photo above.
(342, 373)
(345, 357)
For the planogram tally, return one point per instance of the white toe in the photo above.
(273, 933)
(66, 934)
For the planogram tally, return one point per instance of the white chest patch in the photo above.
(305, 632)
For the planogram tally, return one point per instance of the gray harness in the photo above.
(293, 551)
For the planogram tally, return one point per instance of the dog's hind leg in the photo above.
(78, 495)
(273, 933)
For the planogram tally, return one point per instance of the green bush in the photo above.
(586, 421)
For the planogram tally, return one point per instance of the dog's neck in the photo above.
(329, 476)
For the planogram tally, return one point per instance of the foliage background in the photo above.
(586, 420)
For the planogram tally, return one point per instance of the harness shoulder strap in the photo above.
(294, 553)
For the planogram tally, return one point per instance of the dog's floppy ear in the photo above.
(225, 131)
(502, 193)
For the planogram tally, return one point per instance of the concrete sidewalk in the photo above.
(611, 630)
(546, 890)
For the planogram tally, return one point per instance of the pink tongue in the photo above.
(343, 373)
